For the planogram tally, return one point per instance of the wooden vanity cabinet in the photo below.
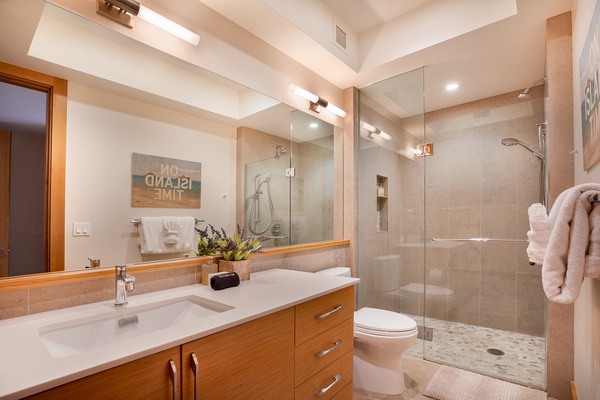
(290, 354)
(254, 360)
(149, 377)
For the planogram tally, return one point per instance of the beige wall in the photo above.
(587, 306)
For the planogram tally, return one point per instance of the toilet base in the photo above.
(387, 377)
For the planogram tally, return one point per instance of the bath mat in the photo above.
(455, 384)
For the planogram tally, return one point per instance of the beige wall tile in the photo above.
(68, 295)
(13, 304)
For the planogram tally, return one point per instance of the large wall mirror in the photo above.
(106, 124)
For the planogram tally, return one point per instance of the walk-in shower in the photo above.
(480, 304)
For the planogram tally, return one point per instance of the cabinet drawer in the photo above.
(318, 315)
(316, 353)
(340, 369)
(346, 393)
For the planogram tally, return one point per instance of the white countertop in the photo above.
(27, 367)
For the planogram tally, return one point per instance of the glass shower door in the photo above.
(483, 303)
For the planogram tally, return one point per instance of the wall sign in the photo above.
(165, 182)
(589, 61)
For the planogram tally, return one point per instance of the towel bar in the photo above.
(136, 221)
(481, 240)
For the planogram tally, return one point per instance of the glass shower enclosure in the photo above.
(430, 197)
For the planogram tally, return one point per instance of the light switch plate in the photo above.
(81, 228)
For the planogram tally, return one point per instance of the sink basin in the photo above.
(118, 324)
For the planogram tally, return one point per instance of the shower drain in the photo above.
(496, 352)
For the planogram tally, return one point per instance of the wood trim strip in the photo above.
(573, 391)
(48, 279)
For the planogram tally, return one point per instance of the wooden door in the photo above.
(5, 139)
(56, 90)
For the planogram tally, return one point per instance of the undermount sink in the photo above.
(79, 335)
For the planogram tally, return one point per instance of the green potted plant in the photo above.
(235, 250)
(207, 245)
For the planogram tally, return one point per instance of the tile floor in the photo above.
(417, 374)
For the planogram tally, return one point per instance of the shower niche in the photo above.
(381, 220)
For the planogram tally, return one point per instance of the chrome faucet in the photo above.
(124, 284)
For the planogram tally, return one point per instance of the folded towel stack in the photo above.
(166, 235)
(539, 233)
(573, 250)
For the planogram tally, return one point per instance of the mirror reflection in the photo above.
(289, 185)
(105, 129)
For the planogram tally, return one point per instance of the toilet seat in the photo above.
(377, 322)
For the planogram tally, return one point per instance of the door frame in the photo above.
(56, 134)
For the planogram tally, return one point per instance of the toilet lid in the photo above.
(376, 320)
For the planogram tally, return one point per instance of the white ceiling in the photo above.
(489, 47)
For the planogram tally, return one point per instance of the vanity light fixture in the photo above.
(372, 130)
(123, 11)
(316, 102)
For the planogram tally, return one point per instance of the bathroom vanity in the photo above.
(283, 334)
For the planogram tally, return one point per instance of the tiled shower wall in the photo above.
(475, 187)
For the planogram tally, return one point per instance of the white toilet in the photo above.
(380, 339)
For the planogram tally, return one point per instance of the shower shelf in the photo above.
(381, 223)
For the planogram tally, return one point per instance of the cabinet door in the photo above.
(254, 360)
(147, 378)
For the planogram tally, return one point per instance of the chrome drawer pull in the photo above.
(327, 314)
(324, 390)
(196, 376)
(325, 352)
(175, 379)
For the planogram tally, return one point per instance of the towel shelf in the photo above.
(481, 240)
(136, 221)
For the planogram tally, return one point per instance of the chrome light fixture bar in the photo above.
(316, 102)
(373, 130)
(123, 11)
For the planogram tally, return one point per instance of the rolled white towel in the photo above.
(539, 233)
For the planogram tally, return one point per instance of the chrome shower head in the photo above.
(279, 151)
(510, 141)
(513, 141)
(527, 92)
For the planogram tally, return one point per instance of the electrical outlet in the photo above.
(81, 228)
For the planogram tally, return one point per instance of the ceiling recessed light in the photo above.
(451, 86)
(314, 125)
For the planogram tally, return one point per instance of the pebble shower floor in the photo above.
(466, 346)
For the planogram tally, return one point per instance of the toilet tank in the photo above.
(387, 272)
